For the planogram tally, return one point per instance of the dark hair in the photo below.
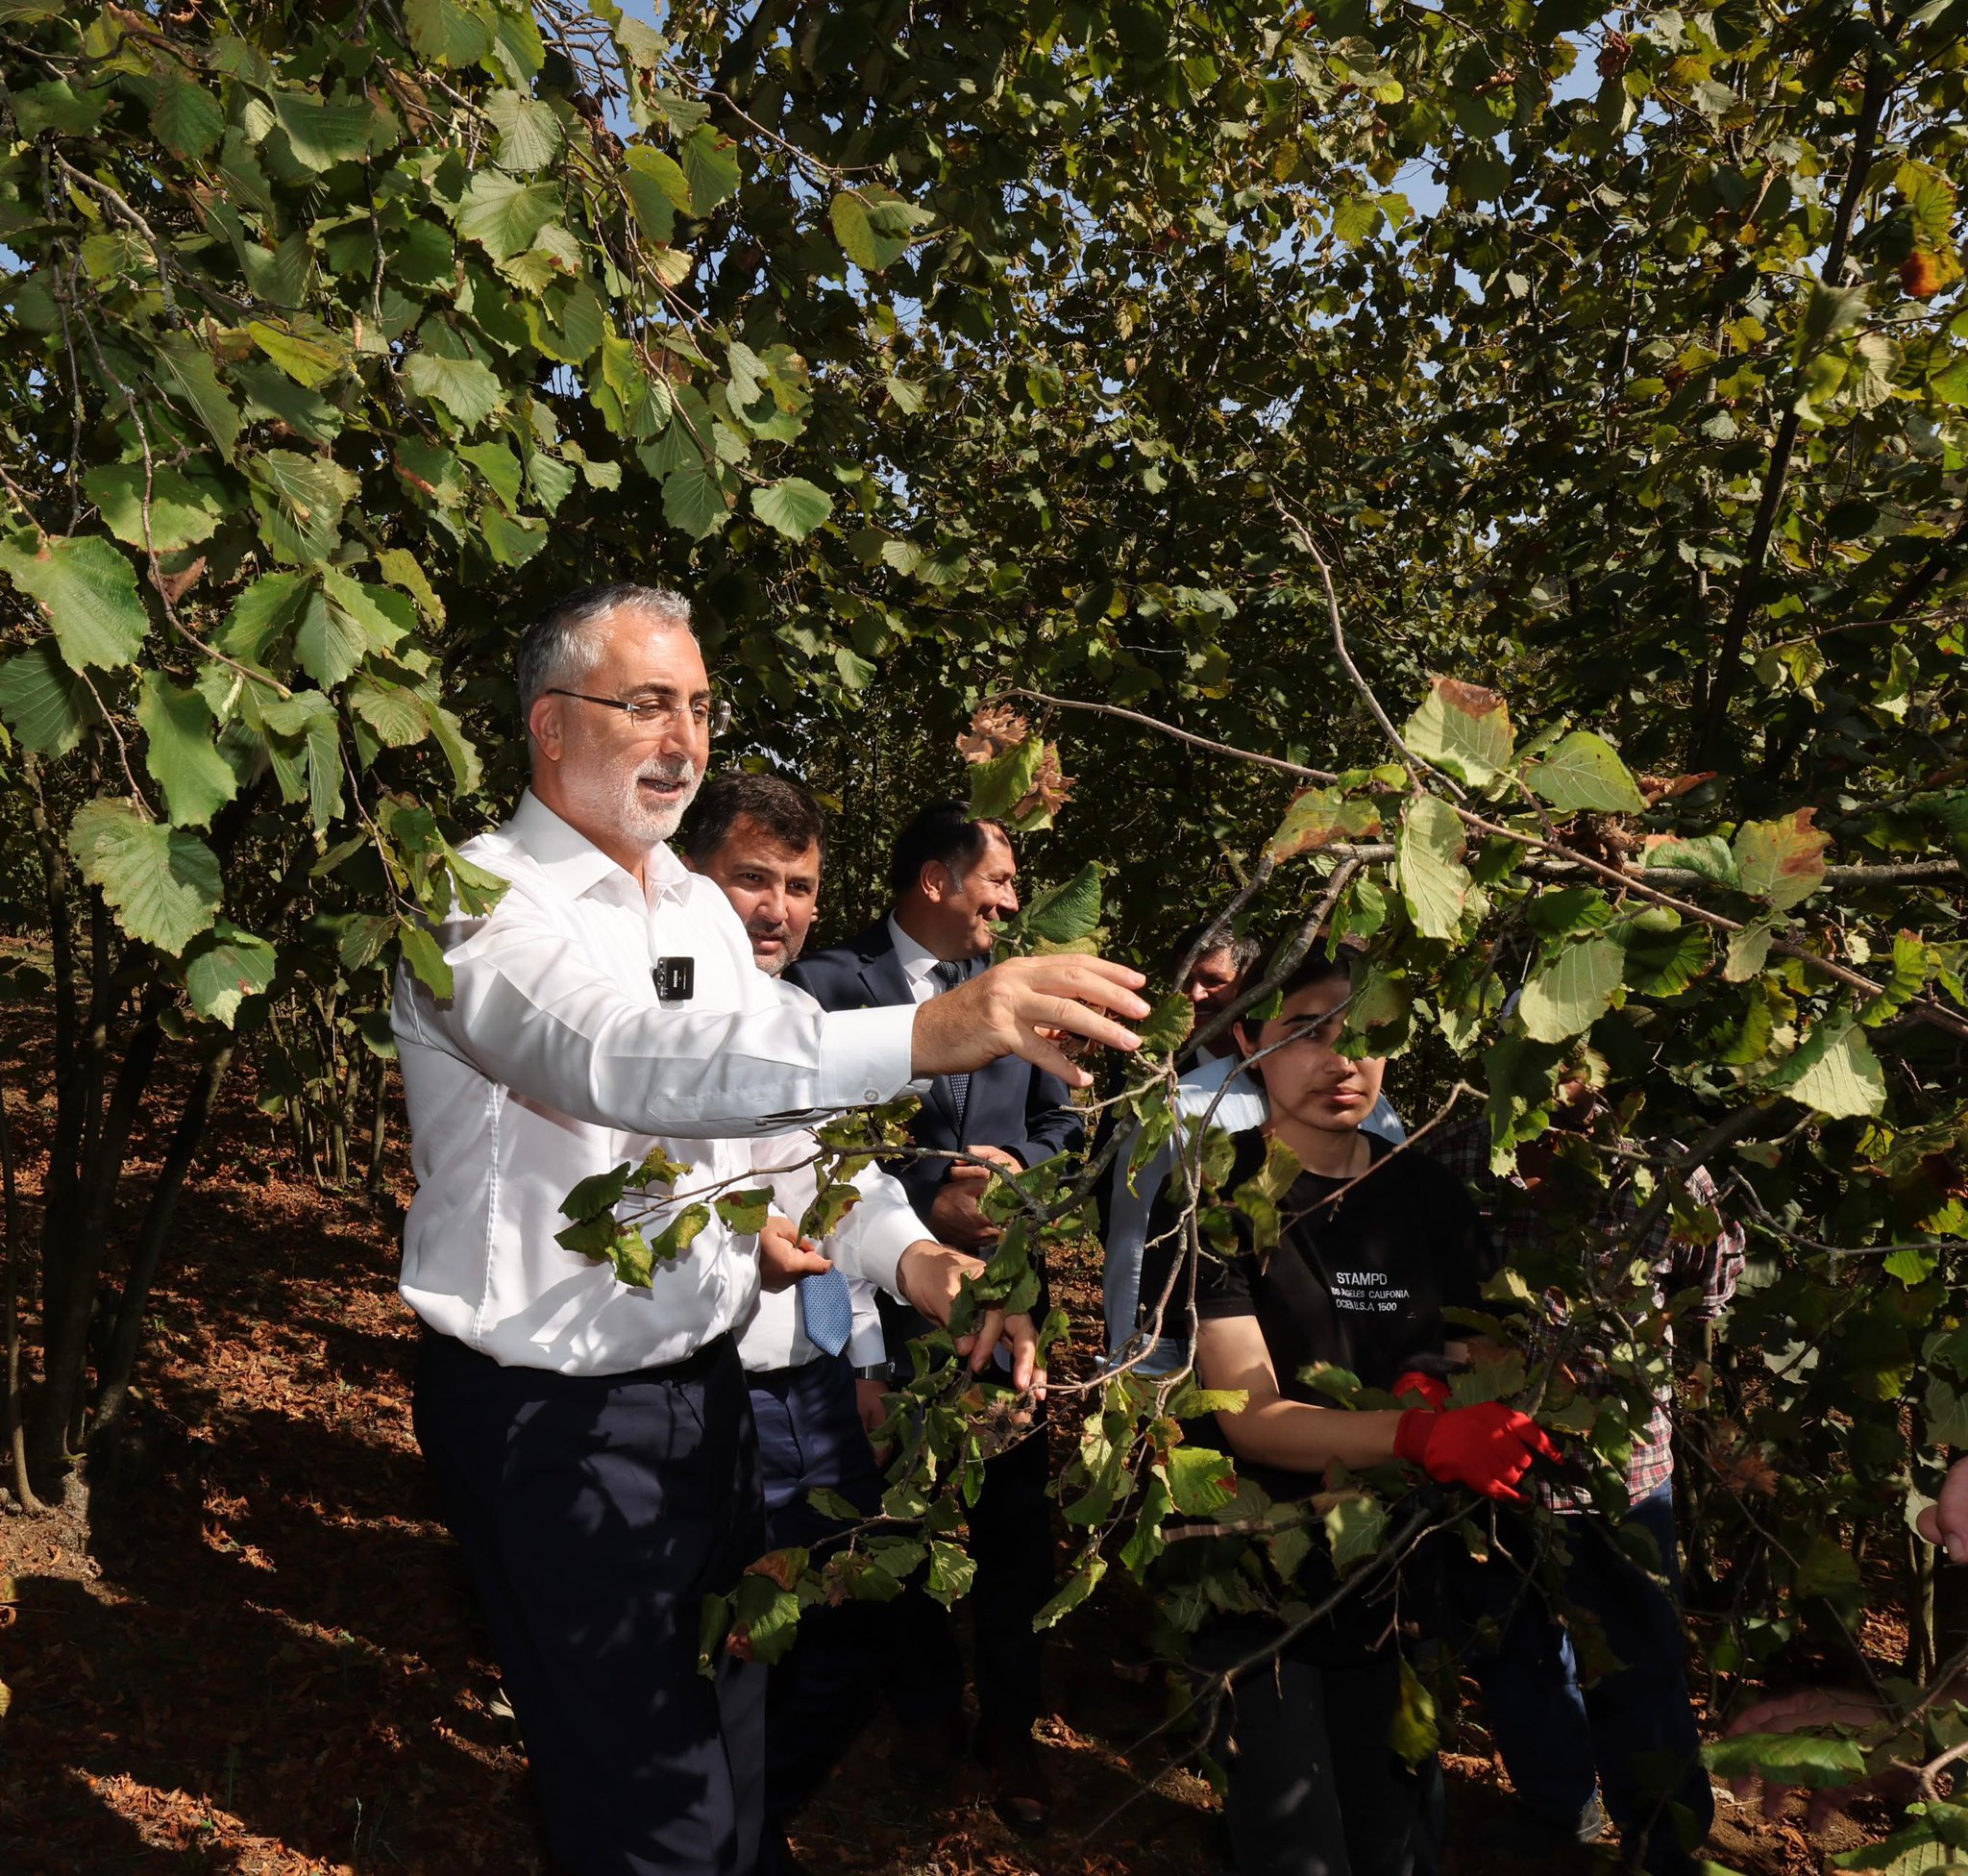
(1243, 948)
(782, 809)
(1318, 966)
(558, 647)
(943, 832)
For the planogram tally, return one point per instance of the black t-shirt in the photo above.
(1358, 1280)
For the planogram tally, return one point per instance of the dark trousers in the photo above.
(1313, 1786)
(595, 1514)
(1011, 1544)
(1563, 1729)
(820, 1694)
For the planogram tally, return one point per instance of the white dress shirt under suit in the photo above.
(553, 1059)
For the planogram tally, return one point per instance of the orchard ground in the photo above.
(250, 1648)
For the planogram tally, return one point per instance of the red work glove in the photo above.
(1430, 1390)
(1489, 1447)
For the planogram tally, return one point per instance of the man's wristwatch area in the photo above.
(873, 1372)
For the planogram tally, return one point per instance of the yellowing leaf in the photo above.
(1782, 861)
(1464, 730)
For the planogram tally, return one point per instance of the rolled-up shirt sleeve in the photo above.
(532, 1010)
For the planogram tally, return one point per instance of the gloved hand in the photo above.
(1431, 1390)
(1489, 1447)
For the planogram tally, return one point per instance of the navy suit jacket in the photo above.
(1010, 1105)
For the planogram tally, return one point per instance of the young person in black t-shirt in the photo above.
(1374, 1245)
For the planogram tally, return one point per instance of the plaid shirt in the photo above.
(1510, 1208)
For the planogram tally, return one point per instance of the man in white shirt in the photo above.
(592, 1441)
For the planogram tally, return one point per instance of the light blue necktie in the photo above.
(950, 973)
(827, 1311)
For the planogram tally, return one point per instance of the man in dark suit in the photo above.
(953, 878)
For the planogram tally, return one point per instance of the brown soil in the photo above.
(251, 1649)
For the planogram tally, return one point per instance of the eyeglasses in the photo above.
(712, 717)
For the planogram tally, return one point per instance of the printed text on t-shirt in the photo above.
(1368, 1293)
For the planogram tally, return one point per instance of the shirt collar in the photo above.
(916, 963)
(574, 863)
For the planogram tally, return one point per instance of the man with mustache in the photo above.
(592, 1441)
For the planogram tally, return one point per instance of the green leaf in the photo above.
(998, 786)
(1428, 850)
(263, 614)
(1085, 1579)
(186, 118)
(447, 32)
(330, 642)
(1708, 854)
(1833, 1072)
(307, 362)
(1356, 1526)
(398, 716)
(693, 499)
(1413, 1733)
(182, 512)
(1574, 991)
(746, 1212)
(503, 214)
(794, 507)
(1169, 1026)
(1782, 861)
(321, 133)
(1068, 913)
(1200, 1481)
(657, 191)
(1464, 730)
(88, 589)
(1747, 949)
(183, 370)
(876, 226)
(710, 167)
(425, 957)
(528, 131)
(300, 499)
(44, 702)
(1584, 771)
(469, 390)
(161, 883)
(1805, 1758)
(224, 967)
(179, 754)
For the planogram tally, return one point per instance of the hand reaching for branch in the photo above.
(784, 1256)
(1945, 1521)
(932, 1274)
(1799, 1713)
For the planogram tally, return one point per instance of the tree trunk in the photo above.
(55, 1426)
(120, 1360)
(15, 1428)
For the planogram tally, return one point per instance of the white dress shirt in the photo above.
(919, 966)
(553, 1059)
(866, 1247)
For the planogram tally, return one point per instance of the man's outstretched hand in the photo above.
(1010, 1010)
(1945, 1521)
(932, 1274)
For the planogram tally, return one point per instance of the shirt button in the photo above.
(871, 1094)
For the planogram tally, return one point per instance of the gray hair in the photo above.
(561, 646)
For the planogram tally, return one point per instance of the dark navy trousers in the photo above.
(1628, 1729)
(595, 1514)
(820, 1694)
